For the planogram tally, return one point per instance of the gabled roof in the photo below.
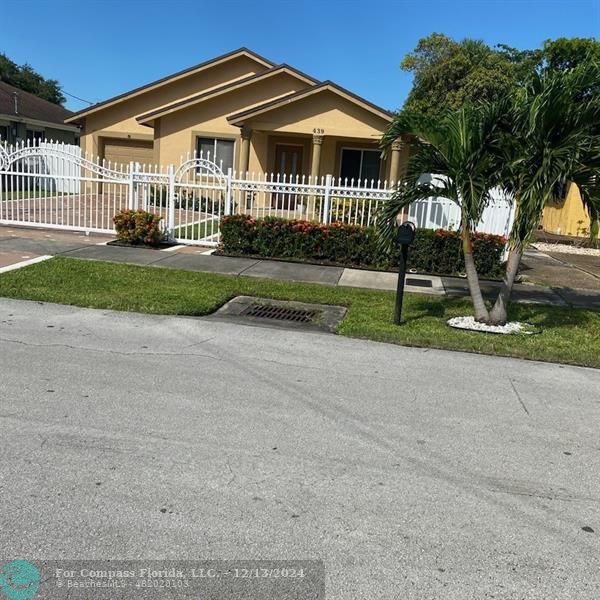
(30, 106)
(326, 86)
(159, 82)
(147, 118)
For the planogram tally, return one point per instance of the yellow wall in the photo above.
(259, 151)
(179, 130)
(342, 122)
(119, 120)
(567, 217)
(327, 111)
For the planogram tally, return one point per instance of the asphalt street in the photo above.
(412, 473)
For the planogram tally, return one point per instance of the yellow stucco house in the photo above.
(567, 216)
(249, 115)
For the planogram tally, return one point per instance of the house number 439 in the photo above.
(318, 131)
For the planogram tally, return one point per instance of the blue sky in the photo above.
(98, 49)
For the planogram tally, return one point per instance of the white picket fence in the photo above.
(53, 185)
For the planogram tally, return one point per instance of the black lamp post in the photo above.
(404, 238)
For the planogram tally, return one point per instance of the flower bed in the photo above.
(433, 251)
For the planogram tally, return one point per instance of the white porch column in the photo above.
(397, 146)
(246, 134)
(317, 142)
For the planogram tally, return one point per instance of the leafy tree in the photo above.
(567, 53)
(27, 79)
(523, 61)
(449, 74)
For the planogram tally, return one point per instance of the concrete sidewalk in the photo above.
(194, 259)
(190, 259)
(29, 243)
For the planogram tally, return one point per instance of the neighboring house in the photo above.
(25, 117)
(248, 114)
(567, 216)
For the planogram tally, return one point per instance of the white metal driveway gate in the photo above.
(53, 186)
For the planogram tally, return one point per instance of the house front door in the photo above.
(288, 165)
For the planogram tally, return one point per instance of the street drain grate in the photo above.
(419, 282)
(279, 313)
(266, 312)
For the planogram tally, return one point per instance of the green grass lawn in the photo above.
(568, 335)
(197, 231)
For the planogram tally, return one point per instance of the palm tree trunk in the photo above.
(481, 311)
(594, 231)
(499, 313)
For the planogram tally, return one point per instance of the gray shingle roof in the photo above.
(30, 106)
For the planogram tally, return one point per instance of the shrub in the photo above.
(239, 231)
(433, 251)
(138, 227)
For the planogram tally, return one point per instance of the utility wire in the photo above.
(63, 91)
(77, 97)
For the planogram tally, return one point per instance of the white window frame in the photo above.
(362, 151)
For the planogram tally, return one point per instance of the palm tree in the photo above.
(548, 138)
(457, 148)
(529, 144)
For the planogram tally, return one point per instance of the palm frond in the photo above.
(549, 136)
(402, 198)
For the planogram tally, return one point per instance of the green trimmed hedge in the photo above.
(433, 251)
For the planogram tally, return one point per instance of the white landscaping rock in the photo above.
(471, 324)
(565, 249)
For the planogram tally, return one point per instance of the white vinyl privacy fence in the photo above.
(53, 185)
(62, 172)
